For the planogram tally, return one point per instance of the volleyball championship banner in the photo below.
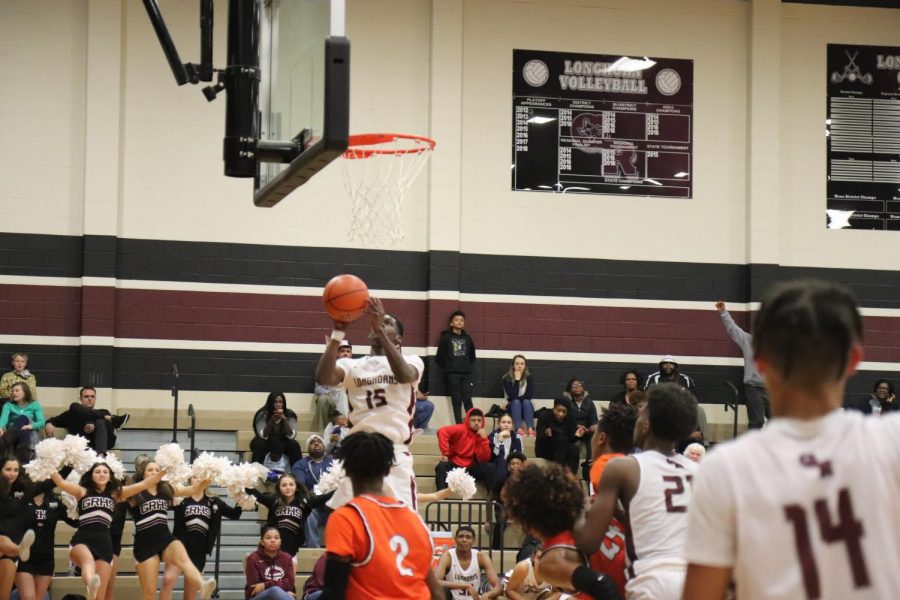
(862, 129)
(602, 124)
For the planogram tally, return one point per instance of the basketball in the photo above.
(345, 297)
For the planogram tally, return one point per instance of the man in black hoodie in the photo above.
(455, 357)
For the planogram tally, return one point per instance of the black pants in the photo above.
(558, 449)
(459, 387)
(104, 435)
(486, 473)
(756, 397)
(259, 447)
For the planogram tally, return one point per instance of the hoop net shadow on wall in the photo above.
(378, 170)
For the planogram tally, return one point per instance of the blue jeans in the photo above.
(273, 593)
(317, 518)
(516, 409)
(313, 595)
(424, 410)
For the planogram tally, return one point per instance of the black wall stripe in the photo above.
(214, 262)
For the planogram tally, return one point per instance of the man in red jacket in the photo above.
(466, 446)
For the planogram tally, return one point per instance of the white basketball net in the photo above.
(376, 177)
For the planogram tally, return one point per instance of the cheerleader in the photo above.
(34, 575)
(15, 541)
(91, 547)
(288, 509)
(153, 542)
(198, 519)
(117, 530)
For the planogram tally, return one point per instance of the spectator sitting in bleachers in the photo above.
(20, 421)
(582, 409)
(424, 410)
(631, 383)
(312, 589)
(503, 442)
(275, 420)
(20, 373)
(460, 568)
(465, 445)
(880, 401)
(83, 418)
(331, 398)
(518, 389)
(695, 452)
(337, 430)
(270, 571)
(308, 470)
(276, 461)
(515, 460)
(556, 436)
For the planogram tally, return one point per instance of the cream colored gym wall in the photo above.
(806, 30)
(173, 185)
(42, 69)
(710, 227)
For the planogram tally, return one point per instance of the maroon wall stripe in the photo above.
(274, 318)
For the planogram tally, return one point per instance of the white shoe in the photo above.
(207, 588)
(25, 546)
(92, 587)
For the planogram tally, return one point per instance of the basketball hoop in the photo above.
(378, 169)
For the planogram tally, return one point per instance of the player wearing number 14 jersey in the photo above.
(381, 392)
(377, 549)
(807, 507)
(654, 487)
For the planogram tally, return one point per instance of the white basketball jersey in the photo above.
(657, 514)
(456, 574)
(377, 402)
(804, 509)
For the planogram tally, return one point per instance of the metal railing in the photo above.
(480, 515)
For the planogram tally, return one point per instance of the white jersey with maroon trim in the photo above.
(657, 514)
(377, 402)
(803, 509)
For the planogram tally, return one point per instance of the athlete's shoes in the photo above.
(207, 588)
(25, 546)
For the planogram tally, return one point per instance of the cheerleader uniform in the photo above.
(95, 515)
(151, 525)
(43, 519)
(118, 527)
(14, 508)
(197, 524)
(288, 518)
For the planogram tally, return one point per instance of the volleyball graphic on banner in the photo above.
(535, 73)
(668, 82)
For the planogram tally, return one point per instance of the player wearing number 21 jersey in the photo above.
(806, 508)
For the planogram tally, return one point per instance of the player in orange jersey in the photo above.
(378, 549)
(545, 502)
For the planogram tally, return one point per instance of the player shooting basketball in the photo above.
(381, 393)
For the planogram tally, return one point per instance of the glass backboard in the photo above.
(304, 93)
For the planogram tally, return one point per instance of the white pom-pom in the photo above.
(236, 478)
(50, 455)
(207, 466)
(78, 455)
(461, 483)
(330, 479)
(170, 458)
(69, 500)
(115, 465)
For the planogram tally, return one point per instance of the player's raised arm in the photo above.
(327, 371)
(384, 328)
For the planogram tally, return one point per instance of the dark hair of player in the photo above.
(672, 411)
(627, 373)
(398, 325)
(884, 382)
(806, 329)
(528, 499)
(516, 454)
(637, 397)
(462, 528)
(87, 480)
(617, 422)
(366, 455)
